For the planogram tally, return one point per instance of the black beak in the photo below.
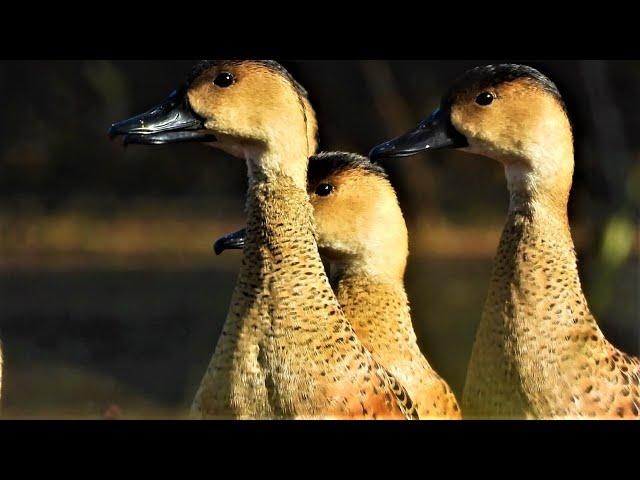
(232, 241)
(433, 133)
(172, 121)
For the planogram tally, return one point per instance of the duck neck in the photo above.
(539, 178)
(379, 266)
(282, 306)
(535, 317)
(539, 188)
(535, 286)
(278, 213)
(376, 306)
(540, 207)
(285, 158)
(280, 258)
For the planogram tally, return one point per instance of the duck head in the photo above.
(511, 113)
(247, 108)
(359, 222)
(361, 229)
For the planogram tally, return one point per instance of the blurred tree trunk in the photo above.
(417, 179)
(613, 222)
(612, 150)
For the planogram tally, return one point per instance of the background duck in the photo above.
(362, 238)
(539, 352)
(286, 350)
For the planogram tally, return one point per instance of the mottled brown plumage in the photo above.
(286, 350)
(539, 352)
(380, 314)
(362, 238)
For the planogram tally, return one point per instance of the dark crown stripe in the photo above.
(487, 76)
(272, 65)
(326, 163)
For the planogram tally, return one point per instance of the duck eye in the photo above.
(485, 98)
(224, 80)
(324, 189)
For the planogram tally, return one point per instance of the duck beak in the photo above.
(232, 241)
(172, 121)
(434, 133)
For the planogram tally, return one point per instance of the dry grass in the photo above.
(139, 238)
(127, 240)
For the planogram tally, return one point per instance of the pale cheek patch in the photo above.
(471, 129)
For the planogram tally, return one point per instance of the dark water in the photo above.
(77, 342)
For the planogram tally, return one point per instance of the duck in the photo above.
(363, 242)
(286, 350)
(539, 352)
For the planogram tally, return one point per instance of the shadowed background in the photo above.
(111, 299)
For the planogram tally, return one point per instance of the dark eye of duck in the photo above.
(324, 189)
(485, 98)
(224, 80)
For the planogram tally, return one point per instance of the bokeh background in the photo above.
(111, 299)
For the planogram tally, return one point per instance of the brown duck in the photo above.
(286, 349)
(539, 352)
(362, 238)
